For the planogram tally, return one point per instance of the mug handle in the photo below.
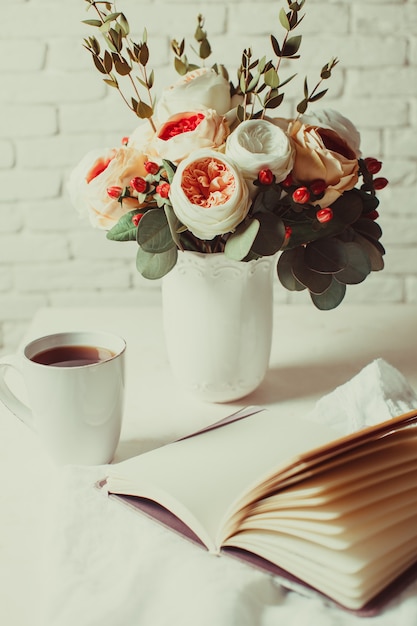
(9, 399)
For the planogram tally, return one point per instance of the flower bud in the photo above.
(136, 218)
(380, 183)
(266, 177)
(324, 215)
(163, 190)
(114, 192)
(151, 167)
(139, 184)
(301, 195)
(373, 165)
(317, 187)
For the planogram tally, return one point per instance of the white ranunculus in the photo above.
(259, 144)
(202, 88)
(328, 118)
(209, 195)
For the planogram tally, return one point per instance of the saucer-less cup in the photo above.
(75, 392)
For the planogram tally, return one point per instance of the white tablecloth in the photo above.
(71, 556)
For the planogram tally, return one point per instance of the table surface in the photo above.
(312, 353)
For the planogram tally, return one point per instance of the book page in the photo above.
(203, 478)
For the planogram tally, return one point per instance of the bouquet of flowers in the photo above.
(212, 168)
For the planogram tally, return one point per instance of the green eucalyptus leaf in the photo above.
(314, 281)
(170, 169)
(122, 67)
(144, 54)
(285, 269)
(154, 233)
(374, 250)
(124, 24)
(275, 46)
(108, 62)
(180, 67)
(124, 230)
(92, 22)
(302, 106)
(271, 78)
(240, 242)
(153, 266)
(174, 224)
(358, 266)
(99, 64)
(284, 19)
(273, 103)
(205, 49)
(271, 234)
(291, 46)
(111, 82)
(318, 96)
(368, 228)
(331, 298)
(143, 110)
(326, 255)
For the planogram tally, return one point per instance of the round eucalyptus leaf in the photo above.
(326, 256)
(285, 270)
(154, 266)
(239, 244)
(331, 298)
(358, 267)
(374, 250)
(314, 281)
(154, 233)
(271, 234)
(124, 230)
(368, 228)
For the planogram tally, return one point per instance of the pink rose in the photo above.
(321, 154)
(184, 133)
(209, 195)
(98, 172)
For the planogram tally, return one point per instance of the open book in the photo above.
(340, 515)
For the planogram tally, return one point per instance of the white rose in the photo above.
(259, 144)
(185, 133)
(209, 195)
(202, 88)
(333, 120)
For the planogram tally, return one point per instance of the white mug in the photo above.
(75, 392)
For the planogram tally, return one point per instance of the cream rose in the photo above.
(185, 133)
(209, 195)
(98, 171)
(201, 88)
(258, 144)
(320, 154)
(333, 120)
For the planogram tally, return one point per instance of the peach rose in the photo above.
(185, 133)
(328, 118)
(201, 88)
(209, 195)
(95, 174)
(320, 154)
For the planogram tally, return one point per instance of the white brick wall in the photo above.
(54, 108)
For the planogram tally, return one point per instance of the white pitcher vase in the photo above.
(218, 323)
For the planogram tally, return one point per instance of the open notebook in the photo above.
(338, 516)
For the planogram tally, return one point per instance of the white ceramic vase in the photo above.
(218, 324)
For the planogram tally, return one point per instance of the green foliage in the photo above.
(124, 230)
(240, 242)
(155, 265)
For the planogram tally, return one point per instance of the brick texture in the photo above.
(54, 107)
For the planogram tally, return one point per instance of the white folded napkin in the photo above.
(108, 566)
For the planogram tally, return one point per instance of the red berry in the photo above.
(324, 215)
(380, 183)
(288, 181)
(125, 141)
(266, 177)
(317, 187)
(114, 192)
(373, 165)
(136, 218)
(151, 167)
(139, 184)
(301, 195)
(163, 190)
(288, 232)
(372, 215)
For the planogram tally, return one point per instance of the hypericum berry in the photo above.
(372, 215)
(125, 141)
(380, 183)
(288, 232)
(373, 165)
(151, 167)
(136, 218)
(324, 215)
(301, 195)
(317, 187)
(163, 190)
(266, 177)
(139, 184)
(114, 192)
(288, 181)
